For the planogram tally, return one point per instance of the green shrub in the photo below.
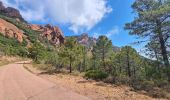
(96, 74)
(122, 79)
(161, 83)
(142, 85)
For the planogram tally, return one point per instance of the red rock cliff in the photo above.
(52, 33)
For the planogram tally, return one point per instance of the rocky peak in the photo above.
(89, 42)
(11, 12)
(84, 38)
(48, 26)
(53, 33)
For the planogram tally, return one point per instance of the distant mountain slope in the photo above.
(12, 25)
(89, 42)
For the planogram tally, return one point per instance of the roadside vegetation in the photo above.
(4, 60)
(101, 63)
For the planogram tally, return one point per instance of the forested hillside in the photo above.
(98, 58)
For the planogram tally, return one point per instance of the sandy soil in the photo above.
(92, 89)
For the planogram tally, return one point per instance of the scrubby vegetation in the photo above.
(96, 75)
(102, 63)
(12, 47)
(32, 35)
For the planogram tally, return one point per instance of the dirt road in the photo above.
(16, 83)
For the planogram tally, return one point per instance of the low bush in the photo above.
(96, 75)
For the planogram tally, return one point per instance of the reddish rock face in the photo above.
(10, 30)
(84, 38)
(36, 27)
(52, 33)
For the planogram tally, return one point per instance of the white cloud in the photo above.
(109, 34)
(80, 15)
(96, 35)
(113, 31)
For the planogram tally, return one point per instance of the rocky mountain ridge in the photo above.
(88, 41)
(11, 12)
(52, 33)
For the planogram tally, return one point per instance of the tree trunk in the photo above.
(134, 72)
(94, 63)
(84, 58)
(128, 64)
(163, 49)
(70, 65)
(103, 58)
(163, 46)
(120, 67)
(79, 67)
(157, 59)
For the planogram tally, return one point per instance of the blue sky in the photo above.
(121, 14)
(95, 17)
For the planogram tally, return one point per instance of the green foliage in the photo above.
(96, 74)
(11, 46)
(152, 22)
(53, 59)
(123, 67)
(71, 53)
(101, 51)
(37, 52)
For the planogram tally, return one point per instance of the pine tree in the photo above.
(102, 50)
(129, 61)
(152, 22)
(71, 53)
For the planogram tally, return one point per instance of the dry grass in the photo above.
(92, 89)
(96, 90)
(4, 60)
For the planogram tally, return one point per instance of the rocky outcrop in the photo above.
(86, 40)
(9, 30)
(52, 33)
(36, 27)
(2, 7)
(89, 42)
(11, 12)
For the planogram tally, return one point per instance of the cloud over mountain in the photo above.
(79, 15)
